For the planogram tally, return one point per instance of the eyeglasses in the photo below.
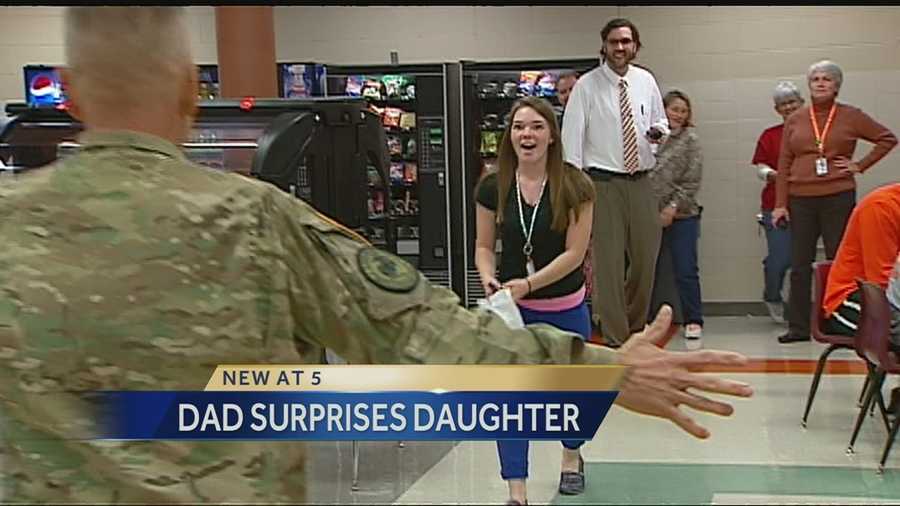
(624, 41)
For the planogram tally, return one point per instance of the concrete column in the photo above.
(245, 39)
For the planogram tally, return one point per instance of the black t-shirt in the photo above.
(547, 243)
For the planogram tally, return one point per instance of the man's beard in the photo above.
(628, 58)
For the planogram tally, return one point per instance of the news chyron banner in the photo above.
(371, 402)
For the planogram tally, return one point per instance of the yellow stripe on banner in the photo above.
(449, 378)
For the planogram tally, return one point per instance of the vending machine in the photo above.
(411, 101)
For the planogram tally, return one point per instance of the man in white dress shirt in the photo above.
(609, 116)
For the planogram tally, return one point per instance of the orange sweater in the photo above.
(869, 247)
(797, 161)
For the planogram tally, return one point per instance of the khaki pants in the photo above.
(626, 222)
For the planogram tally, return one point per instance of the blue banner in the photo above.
(324, 416)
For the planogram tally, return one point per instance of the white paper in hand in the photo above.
(505, 307)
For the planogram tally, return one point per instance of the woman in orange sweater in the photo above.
(815, 187)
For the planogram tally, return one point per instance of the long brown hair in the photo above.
(569, 187)
(680, 95)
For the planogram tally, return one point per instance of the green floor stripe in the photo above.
(641, 483)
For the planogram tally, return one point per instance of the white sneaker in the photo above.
(776, 311)
(693, 335)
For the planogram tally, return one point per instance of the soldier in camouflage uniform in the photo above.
(127, 267)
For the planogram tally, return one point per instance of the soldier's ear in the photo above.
(189, 94)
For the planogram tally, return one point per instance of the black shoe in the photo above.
(513, 502)
(791, 338)
(572, 483)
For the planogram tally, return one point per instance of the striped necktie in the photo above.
(629, 137)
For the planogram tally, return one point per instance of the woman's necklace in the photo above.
(527, 232)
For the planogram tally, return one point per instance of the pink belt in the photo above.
(555, 303)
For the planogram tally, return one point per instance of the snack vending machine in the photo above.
(411, 102)
(489, 91)
(301, 80)
(208, 82)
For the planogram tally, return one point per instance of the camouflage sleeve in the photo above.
(373, 307)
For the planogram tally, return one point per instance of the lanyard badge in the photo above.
(821, 161)
(528, 249)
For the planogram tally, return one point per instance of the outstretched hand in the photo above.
(657, 382)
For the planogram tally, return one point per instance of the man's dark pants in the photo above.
(811, 217)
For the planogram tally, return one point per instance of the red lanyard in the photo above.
(820, 138)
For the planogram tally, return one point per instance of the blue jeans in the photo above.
(778, 259)
(514, 453)
(683, 235)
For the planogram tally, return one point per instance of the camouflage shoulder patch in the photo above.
(387, 271)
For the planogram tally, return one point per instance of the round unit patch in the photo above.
(386, 270)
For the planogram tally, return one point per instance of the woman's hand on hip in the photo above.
(847, 167)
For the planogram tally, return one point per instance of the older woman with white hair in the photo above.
(787, 99)
(815, 186)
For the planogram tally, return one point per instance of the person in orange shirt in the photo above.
(868, 251)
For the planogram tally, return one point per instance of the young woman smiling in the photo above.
(541, 209)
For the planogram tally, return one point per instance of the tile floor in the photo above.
(760, 455)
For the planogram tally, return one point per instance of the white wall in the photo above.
(34, 35)
(348, 35)
(726, 58)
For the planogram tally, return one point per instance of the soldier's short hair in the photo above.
(125, 57)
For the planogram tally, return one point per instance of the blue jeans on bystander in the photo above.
(683, 235)
(778, 258)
